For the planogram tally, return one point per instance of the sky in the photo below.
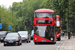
(8, 3)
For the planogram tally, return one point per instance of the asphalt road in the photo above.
(32, 46)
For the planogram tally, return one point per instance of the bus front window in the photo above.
(44, 22)
(44, 15)
(44, 31)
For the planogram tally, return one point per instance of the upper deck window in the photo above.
(44, 15)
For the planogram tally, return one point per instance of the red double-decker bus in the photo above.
(58, 28)
(44, 26)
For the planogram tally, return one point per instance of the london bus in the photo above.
(44, 26)
(58, 28)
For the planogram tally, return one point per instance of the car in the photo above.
(32, 33)
(12, 38)
(2, 35)
(25, 36)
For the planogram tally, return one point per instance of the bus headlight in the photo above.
(51, 38)
(35, 38)
(57, 35)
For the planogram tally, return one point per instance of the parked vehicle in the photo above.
(12, 38)
(24, 36)
(2, 35)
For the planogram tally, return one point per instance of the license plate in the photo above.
(43, 40)
(10, 41)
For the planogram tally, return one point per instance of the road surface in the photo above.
(32, 46)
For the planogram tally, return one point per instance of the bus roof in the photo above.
(44, 10)
(57, 16)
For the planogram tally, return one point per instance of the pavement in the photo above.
(68, 44)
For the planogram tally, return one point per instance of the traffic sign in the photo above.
(0, 25)
(10, 27)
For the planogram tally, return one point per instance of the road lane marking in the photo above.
(60, 45)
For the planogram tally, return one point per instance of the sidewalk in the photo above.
(68, 44)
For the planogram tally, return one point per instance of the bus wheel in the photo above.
(59, 39)
(35, 43)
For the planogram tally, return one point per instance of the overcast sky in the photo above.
(8, 3)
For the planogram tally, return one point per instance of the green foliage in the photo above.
(20, 11)
(7, 19)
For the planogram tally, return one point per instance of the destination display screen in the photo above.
(44, 21)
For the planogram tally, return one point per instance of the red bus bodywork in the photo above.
(41, 39)
(44, 11)
(51, 19)
(37, 38)
(58, 33)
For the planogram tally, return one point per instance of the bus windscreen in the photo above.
(44, 22)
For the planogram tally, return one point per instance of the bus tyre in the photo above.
(59, 39)
(35, 42)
